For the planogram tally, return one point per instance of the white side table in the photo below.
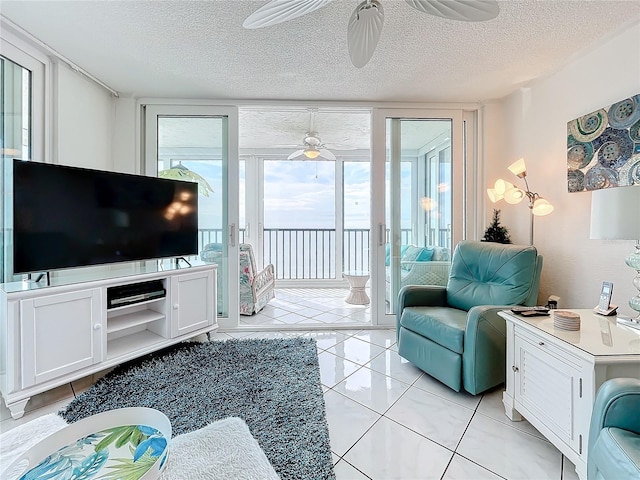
(357, 282)
(553, 374)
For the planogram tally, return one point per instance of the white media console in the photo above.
(52, 335)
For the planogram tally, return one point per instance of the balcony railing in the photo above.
(309, 254)
(299, 253)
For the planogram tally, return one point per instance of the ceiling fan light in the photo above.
(541, 207)
(311, 153)
(364, 30)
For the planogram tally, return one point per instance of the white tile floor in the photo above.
(304, 306)
(388, 420)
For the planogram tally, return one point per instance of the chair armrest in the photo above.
(263, 281)
(485, 349)
(617, 404)
(419, 295)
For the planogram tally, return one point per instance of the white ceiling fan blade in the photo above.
(363, 33)
(465, 10)
(295, 154)
(324, 153)
(278, 11)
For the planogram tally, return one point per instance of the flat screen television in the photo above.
(66, 217)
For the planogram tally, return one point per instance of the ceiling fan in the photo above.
(365, 24)
(312, 146)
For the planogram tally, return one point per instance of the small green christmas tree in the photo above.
(496, 232)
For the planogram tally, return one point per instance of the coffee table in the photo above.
(357, 281)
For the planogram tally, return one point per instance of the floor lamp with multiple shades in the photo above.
(615, 215)
(511, 194)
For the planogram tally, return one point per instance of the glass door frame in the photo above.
(38, 127)
(230, 227)
(459, 155)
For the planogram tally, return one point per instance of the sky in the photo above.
(297, 194)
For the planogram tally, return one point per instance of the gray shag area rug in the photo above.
(273, 385)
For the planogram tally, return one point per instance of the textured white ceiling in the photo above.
(198, 49)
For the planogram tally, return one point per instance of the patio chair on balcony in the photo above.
(420, 266)
(256, 288)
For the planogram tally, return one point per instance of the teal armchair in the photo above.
(614, 433)
(454, 333)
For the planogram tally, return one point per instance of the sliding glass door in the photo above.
(200, 144)
(418, 164)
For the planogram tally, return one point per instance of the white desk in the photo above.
(553, 375)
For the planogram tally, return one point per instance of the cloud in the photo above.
(297, 194)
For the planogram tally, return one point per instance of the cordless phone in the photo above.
(604, 306)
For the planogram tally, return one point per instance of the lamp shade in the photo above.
(514, 195)
(541, 207)
(494, 196)
(501, 186)
(615, 213)
(518, 168)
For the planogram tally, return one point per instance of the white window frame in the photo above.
(20, 51)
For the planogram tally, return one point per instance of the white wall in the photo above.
(83, 127)
(125, 128)
(532, 124)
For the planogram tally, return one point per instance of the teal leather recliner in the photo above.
(454, 333)
(614, 433)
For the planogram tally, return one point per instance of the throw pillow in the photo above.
(410, 255)
(440, 254)
(425, 255)
(387, 253)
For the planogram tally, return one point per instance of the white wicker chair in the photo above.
(256, 287)
(434, 272)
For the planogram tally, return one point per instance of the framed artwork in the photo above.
(603, 147)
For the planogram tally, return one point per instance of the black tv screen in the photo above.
(72, 217)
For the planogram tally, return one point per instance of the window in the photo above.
(356, 209)
(22, 127)
(300, 218)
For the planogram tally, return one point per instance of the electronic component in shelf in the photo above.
(133, 293)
